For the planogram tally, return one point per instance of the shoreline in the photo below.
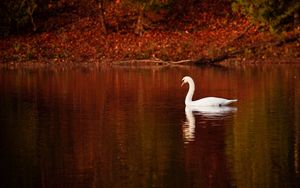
(207, 36)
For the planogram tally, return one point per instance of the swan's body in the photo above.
(207, 101)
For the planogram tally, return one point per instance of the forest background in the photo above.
(162, 31)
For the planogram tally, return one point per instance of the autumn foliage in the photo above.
(72, 31)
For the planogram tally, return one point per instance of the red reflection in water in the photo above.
(106, 127)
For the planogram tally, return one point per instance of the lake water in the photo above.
(128, 127)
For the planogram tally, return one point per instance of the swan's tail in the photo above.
(230, 101)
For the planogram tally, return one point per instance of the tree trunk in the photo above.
(101, 14)
(296, 19)
(139, 29)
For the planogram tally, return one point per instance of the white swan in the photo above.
(207, 101)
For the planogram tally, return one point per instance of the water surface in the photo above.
(128, 127)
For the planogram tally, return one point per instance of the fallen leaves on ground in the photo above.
(198, 34)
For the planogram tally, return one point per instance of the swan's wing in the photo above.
(212, 101)
(227, 102)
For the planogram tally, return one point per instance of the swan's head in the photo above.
(186, 79)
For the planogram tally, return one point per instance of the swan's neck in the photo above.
(189, 96)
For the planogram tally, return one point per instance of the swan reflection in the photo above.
(207, 113)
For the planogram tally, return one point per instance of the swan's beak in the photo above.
(182, 83)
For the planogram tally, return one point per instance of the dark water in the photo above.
(128, 127)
